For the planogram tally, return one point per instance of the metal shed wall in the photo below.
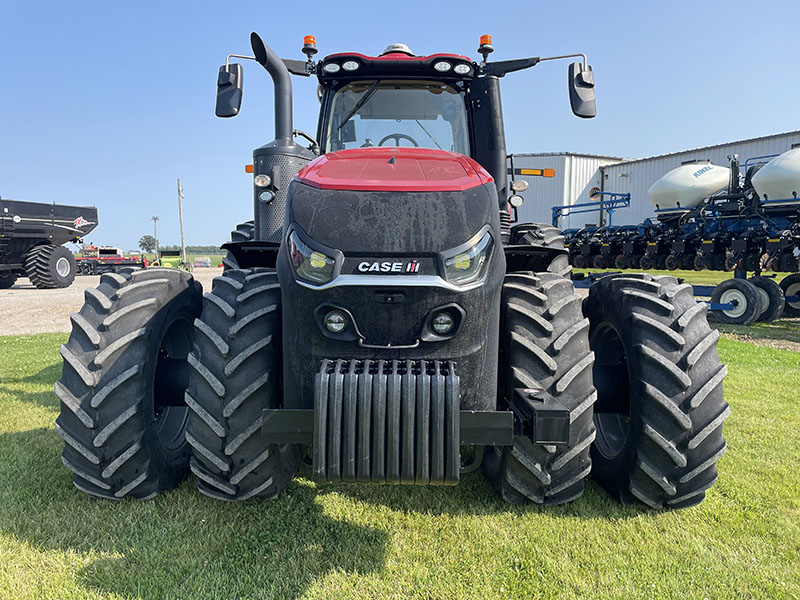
(575, 175)
(637, 176)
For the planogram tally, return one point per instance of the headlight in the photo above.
(470, 265)
(262, 180)
(309, 264)
(519, 185)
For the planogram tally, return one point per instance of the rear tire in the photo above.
(772, 293)
(791, 287)
(244, 232)
(544, 345)
(660, 407)
(124, 433)
(236, 370)
(7, 280)
(538, 234)
(49, 266)
(745, 297)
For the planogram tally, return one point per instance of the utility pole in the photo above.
(180, 218)
(155, 232)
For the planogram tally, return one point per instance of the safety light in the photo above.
(486, 48)
(331, 68)
(309, 46)
(350, 65)
(516, 201)
(262, 180)
(442, 66)
(519, 185)
(486, 40)
(470, 265)
(442, 323)
(311, 265)
(335, 321)
(462, 68)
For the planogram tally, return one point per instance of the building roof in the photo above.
(627, 161)
(582, 154)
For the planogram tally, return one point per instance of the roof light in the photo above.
(350, 65)
(442, 66)
(462, 68)
(331, 68)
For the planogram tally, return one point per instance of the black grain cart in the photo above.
(31, 238)
(380, 313)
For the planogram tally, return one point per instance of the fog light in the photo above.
(442, 323)
(335, 321)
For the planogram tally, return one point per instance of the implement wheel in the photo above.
(659, 409)
(771, 296)
(236, 370)
(791, 289)
(544, 343)
(747, 303)
(49, 266)
(123, 415)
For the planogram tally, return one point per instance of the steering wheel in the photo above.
(397, 137)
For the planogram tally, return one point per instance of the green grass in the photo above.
(367, 542)
(693, 277)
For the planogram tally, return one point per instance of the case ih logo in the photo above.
(410, 266)
(80, 222)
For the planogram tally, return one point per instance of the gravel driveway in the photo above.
(25, 309)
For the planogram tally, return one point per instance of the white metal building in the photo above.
(573, 176)
(636, 176)
(576, 174)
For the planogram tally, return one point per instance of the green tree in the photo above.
(147, 243)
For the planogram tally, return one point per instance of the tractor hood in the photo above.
(394, 169)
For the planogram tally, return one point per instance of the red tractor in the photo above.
(380, 313)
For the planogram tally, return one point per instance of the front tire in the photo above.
(544, 345)
(49, 266)
(660, 407)
(244, 232)
(236, 370)
(538, 234)
(122, 384)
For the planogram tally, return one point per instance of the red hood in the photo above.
(394, 169)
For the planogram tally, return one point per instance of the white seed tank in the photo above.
(780, 177)
(688, 185)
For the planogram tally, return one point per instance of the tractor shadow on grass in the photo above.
(474, 495)
(181, 544)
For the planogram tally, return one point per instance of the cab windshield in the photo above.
(424, 114)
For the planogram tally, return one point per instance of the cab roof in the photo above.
(395, 65)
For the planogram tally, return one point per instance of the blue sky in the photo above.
(107, 103)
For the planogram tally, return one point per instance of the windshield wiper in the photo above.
(367, 95)
(429, 135)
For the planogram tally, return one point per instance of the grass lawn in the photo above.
(365, 542)
(693, 277)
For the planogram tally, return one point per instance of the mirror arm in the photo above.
(230, 56)
(579, 55)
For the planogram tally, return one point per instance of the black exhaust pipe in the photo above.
(267, 58)
(280, 159)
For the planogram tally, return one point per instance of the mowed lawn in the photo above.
(398, 542)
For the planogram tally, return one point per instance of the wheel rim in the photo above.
(170, 412)
(62, 267)
(793, 290)
(739, 301)
(764, 298)
(612, 410)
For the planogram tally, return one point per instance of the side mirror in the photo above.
(581, 90)
(229, 90)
